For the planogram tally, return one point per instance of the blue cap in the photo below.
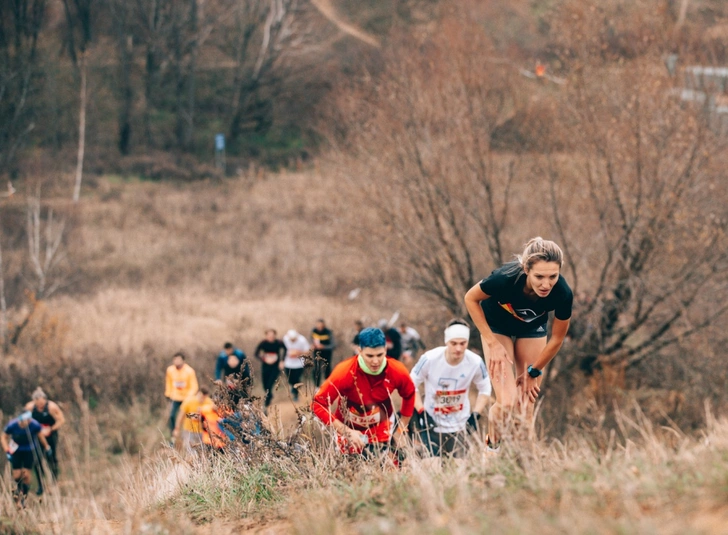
(371, 337)
(27, 415)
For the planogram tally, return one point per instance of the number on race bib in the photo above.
(368, 419)
(449, 401)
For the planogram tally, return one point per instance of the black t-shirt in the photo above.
(266, 350)
(509, 306)
(241, 371)
(326, 338)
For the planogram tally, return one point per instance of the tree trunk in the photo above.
(682, 14)
(127, 94)
(190, 123)
(81, 130)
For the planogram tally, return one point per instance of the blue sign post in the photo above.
(220, 151)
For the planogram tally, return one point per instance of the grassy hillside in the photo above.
(639, 480)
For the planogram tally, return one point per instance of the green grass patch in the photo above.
(226, 487)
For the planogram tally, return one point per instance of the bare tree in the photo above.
(416, 143)
(172, 33)
(121, 12)
(20, 27)
(46, 258)
(653, 246)
(45, 240)
(633, 190)
(78, 38)
(267, 41)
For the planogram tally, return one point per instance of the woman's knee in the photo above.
(500, 409)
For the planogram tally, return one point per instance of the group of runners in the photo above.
(196, 419)
(30, 442)
(509, 308)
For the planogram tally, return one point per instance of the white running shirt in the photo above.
(300, 344)
(446, 387)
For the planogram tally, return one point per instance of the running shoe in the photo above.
(491, 447)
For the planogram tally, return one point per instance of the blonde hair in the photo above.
(536, 250)
(539, 250)
(39, 394)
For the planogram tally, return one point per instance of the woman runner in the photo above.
(510, 309)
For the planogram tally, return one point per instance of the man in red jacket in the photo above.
(363, 385)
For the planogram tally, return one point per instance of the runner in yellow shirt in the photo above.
(188, 425)
(181, 382)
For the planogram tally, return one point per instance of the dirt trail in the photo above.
(327, 10)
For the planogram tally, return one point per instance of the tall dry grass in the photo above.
(643, 479)
(161, 267)
(637, 478)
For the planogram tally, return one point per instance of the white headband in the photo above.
(457, 331)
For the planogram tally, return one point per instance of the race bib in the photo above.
(270, 358)
(368, 419)
(12, 447)
(449, 401)
(180, 384)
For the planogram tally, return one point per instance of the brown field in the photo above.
(117, 332)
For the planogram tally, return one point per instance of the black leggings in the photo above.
(294, 377)
(270, 374)
(52, 462)
(444, 444)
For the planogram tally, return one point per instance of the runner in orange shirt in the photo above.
(180, 383)
(361, 387)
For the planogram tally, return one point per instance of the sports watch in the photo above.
(534, 372)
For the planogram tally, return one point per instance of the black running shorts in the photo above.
(22, 459)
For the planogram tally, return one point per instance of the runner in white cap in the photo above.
(447, 373)
(296, 346)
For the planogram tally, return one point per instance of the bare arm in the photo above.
(496, 352)
(419, 405)
(43, 442)
(531, 386)
(57, 414)
(558, 333)
(4, 439)
(472, 302)
(480, 403)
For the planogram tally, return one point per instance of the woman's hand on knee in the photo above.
(496, 352)
(528, 387)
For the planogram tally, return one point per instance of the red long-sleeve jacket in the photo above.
(364, 401)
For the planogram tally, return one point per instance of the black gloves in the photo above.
(472, 425)
(423, 420)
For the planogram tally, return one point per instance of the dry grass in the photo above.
(639, 478)
(652, 483)
(168, 268)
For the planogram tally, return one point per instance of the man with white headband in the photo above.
(447, 372)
